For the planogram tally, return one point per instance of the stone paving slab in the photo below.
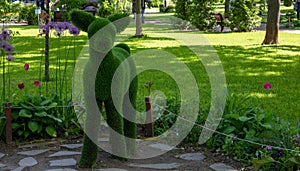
(38, 144)
(32, 152)
(66, 169)
(28, 161)
(160, 166)
(222, 167)
(163, 147)
(111, 169)
(18, 169)
(72, 146)
(64, 153)
(1, 155)
(63, 162)
(2, 165)
(192, 156)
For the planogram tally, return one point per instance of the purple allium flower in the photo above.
(5, 35)
(74, 30)
(8, 48)
(60, 26)
(10, 57)
(58, 34)
(268, 147)
(50, 24)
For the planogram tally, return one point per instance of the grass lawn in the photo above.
(247, 65)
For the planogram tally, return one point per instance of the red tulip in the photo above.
(21, 86)
(26, 67)
(267, 86)
(36, 83)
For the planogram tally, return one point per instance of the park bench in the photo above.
(220, 20)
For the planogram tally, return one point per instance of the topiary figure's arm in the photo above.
(81, 19)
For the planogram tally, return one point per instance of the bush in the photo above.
(243, 15)
(181, 9)
(37, 116)
(68, 5)
(27, 13)
(243, 123)
(202, 20)
(189, 10)
(169, 8)
(287, 3)
(106, 9)
(156, 3)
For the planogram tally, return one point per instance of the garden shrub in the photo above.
(243, 123)
(27, 13)
(156, 3)
(68, 5)
(43, 117)
(181, 9)
(106, 9)
(189, 10)
(287, 3)
(243, 15)
(169, 8)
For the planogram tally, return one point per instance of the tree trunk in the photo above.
(47, 75)
(272, 29)
(227, 5)
(138, 19)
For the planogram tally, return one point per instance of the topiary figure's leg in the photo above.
(91, 122)
(129, 110)
(88, 154)
(115, 121)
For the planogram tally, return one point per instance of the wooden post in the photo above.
(149, 130)
(7, 107)
(289, 22)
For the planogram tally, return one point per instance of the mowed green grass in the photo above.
(247, 64)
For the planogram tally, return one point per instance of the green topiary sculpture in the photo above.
(106, 59)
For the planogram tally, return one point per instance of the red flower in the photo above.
(26, 67)
(36, 83)
(21, 86)
(267, 86)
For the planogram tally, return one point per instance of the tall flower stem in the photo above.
(40, 75)
(8, 73)
(57, 68)
(67, 49)
(3, 75)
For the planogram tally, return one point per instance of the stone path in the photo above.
(65, 158)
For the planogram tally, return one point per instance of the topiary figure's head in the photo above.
(101, 31)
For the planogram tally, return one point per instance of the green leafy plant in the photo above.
(243, 15)
(106, 9)
(202, 20)
(287, 3)
(27, 13)
(43, 117)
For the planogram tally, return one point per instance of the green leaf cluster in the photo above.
(38, 116)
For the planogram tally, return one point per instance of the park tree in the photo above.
(227, 6)
(138, 19)
(243, 15)
(272, 29)
(202, 20)
(181, 9)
